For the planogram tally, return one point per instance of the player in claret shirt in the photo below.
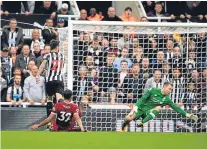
(63, 113)
(150, 105)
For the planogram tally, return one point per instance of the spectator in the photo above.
(12, 35)
(49, 33)
(123, 41)
(124, 56)
(3, 84)
(127, 15)
(151, 51)
(179, 85)
(13, 55)
(108, 76)
(89, 63)
(111, 15)
(65, 10)
(167, 72)
(35, 38)
(17, 71)
(148, 6)
(111, 96)
(177, 61)
(191, 63)
(94, 16)
(143, 19)
(158, 63)
(201, 55)
(6, 64)
(15, 92)
(193, 8)
(190, 96)
(122, 93)
(83, 15)
(179, 6)
(45, 51)
(34, 87)
(47, 8)
(203, 97)
(31, 7)
(113, 48)
(169, 49)
(23, 59)
(133, 85)
(15, 6)
(137, 55)
(95, 50)
(61, 23)
(36, 48)
(145, 70)
(158, 11)
(155, 81)
(28, 72)
(81, 84)
(105, 44)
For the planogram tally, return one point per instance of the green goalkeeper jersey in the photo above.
(153, 98)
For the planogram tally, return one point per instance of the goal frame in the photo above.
(71, 23)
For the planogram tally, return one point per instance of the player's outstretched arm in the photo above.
(42, 66)
(182, 112)
(45, 122)
(79, 122)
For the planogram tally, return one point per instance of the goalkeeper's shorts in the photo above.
(141, 114)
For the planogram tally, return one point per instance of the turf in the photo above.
(101, 140)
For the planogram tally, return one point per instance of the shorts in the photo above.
(141, 114)
(53, 87)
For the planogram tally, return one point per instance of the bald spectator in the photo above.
(127, 15)
(36, 49)
(159, 61)
(94, 16)
(28, 72)
(34, 87)
(169, 49)
(35, 38)
(111, 16)
(155, 81)
(177, 61)
(83, 15)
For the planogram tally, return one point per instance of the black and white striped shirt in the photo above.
(178, 89)
(55, 64)
(12, 38)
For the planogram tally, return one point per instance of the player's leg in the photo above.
(130, 117)
(151, 114)
(59, 90)
(49, 91)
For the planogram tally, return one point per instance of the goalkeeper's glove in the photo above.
(192, 116)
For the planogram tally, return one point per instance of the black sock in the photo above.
(124, 124)
(49, 107)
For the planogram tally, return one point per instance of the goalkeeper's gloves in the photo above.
(133, 110)
(192, 116)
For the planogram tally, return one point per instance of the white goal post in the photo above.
(188, 41)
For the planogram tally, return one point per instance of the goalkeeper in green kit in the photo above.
(150, 105)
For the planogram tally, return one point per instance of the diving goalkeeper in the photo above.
(150, 105)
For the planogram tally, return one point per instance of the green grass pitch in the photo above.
(101, 140)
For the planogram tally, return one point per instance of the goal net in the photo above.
(112, 64)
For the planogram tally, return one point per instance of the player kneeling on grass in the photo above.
(63, 112)
(150, 105)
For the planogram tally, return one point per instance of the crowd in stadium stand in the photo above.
(108, 68)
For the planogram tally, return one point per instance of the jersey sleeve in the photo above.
(75, 109)
(176, 108)
(46, 57)
(145, 97)
(55, 109)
